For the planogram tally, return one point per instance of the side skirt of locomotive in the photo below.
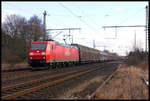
(41, 64)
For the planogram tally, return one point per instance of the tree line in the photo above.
(136, 56)
(17, 34)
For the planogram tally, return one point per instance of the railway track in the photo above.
(14, 70)
(22, 74)
(15, 74)
(91, 82)
(14, 91)
(91, 96)
(39, 74)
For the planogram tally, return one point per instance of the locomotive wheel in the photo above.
(53, 65)
(62, 64)
(66, 64)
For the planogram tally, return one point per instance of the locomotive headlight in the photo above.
(43, 53)
(30, 53)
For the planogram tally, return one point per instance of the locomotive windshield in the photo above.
(38, 46)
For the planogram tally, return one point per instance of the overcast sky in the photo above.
(90, 17)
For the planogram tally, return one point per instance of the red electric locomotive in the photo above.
(45, 53)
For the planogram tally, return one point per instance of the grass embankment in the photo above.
(126, 83)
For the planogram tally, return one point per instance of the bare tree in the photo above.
(14, 36)
(35, 28)
(17, 34)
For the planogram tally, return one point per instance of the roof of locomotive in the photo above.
(43, 41)
(56, 43)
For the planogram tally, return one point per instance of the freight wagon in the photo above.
(105, 57)
(87, 54)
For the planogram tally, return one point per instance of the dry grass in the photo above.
(126, 84)
(81, 87)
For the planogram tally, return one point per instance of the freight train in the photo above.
(51, 54)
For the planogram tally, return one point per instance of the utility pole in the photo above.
(93, 43)
(120, 26)
(135, 40)
(146, 27)
(72, 39)
(68, 35)
(104, 47)
(44, 19)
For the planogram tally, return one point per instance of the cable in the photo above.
(131, 15)
(76, 16)
(20, 8)
(88, 17)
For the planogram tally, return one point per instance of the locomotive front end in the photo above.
(37, 54)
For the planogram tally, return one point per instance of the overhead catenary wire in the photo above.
(97, 4)
(77, 16)
(88, 16)
(133, 14)
(126, 20)
(29, 11)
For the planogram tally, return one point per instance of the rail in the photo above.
(93, 94)
(52, 83)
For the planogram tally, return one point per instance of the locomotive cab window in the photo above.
(41, 46)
